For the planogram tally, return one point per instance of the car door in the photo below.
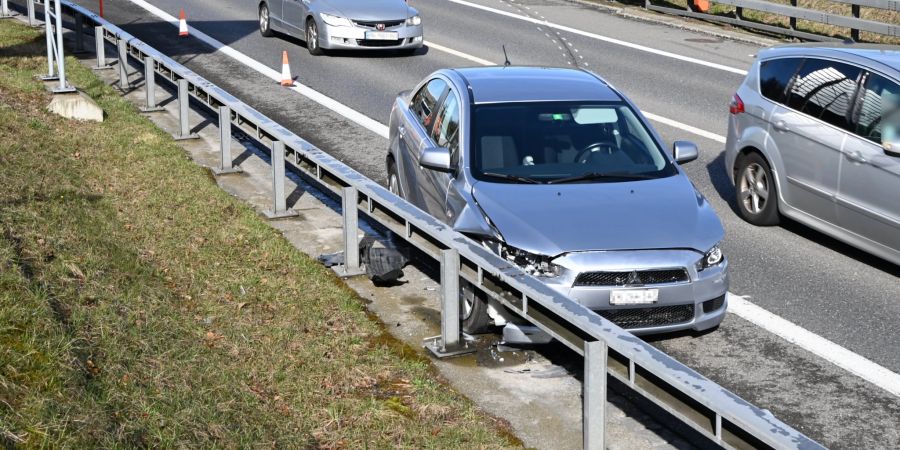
(869, 192)
(275, 11)
(413, 136)
(294, 12)
(810, 131)
(444, 133)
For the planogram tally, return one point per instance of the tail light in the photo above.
(737, 105)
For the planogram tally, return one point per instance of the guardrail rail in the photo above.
(687, 395)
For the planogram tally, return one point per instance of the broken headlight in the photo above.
(535, 265)
(711, 258)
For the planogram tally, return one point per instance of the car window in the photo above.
(425, 101)
(446, 126)
(824, 89)
(879, 112)
(774, 76)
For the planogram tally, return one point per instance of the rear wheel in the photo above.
(757, 198)
(473, 310)
(265, 27)
(312, 37)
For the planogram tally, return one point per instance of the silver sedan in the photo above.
(344, 24)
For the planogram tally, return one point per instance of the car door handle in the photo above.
(781, 126)
(855, 156)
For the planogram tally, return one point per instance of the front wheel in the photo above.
(473, 310)
(757, 198)
(312, 38)
(265, 27)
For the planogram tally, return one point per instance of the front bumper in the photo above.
(354, 38)
(698, 303)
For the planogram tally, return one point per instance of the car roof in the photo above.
(888, 55)
(500, 84)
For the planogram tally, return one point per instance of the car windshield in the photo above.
(566, 142)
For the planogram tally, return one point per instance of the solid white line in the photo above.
(316, 96)
(815, 344)
(460, 54)
(603, 38)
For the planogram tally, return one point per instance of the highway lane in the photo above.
(782, 257)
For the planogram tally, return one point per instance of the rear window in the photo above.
(775, 75)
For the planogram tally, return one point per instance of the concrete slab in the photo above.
(76, 105)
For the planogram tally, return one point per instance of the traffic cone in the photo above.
(182, 24)
(286, 79)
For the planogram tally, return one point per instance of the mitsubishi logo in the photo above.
(379, 26)
(633, 278)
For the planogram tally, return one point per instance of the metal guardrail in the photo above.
(690, 397)
(793, 13)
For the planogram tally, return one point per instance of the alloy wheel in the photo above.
(754, 188)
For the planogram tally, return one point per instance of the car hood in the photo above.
(369, 9)
(555, 219)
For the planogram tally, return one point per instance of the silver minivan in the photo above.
(814, 135)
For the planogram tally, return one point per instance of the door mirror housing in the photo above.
(892, 148)
(436, 158)
(684, 151)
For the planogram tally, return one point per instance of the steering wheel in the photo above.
(584, 154)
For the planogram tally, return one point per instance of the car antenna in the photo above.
(506, 62)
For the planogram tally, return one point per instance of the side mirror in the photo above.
(684, 151)
(436, 158)
(892, 148)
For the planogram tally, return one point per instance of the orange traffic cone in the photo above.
(182, 24)
(286, 79)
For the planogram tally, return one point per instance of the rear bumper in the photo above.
(354, 38)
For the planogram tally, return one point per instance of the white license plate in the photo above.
(382, 35)
(633, 296)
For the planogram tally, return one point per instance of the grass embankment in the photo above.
(843, 9)
(141, 306)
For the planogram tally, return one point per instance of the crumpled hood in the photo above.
(369, 9)
(556, 219)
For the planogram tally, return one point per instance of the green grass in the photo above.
(141, 306)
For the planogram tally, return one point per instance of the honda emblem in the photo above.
(379, 26)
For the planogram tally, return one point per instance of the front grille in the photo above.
(377, 43)
(649, 317)
(373, 24)
(632, 278)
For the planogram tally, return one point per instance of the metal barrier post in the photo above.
(449, 343)
(279, 207)
(350, 214)
(4, 9)
(150, 85)
(184, 100)
(854, 32)
(226, 165)
(594, 395)
(31, 20)
(123, 64)
(51, 53)
(60, 55)
(100, 48)
(79, 33)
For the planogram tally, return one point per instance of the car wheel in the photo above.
(473, 310)
(394, 179)
(265, 28)
(757, 199)
(312, 37)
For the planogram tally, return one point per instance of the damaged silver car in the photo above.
(558, 172)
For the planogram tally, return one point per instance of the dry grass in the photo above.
(141, 306)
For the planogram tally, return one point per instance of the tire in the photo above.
(312, 38)
(755, 191)
(473, 310)
(394, 179)
(265, 21)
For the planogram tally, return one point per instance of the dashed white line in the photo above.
(815, 344)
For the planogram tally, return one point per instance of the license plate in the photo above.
(382, 35)
(633, 296)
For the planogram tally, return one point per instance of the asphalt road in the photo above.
(801, 275)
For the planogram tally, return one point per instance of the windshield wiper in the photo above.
(507, 176)
(601, 175)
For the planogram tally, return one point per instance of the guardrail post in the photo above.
(60, 53)
(450, 342)
(51, 53)
(100, 48)
(122, 46)
(79, 33)
(226, 164)
(854, 33)
(279, 207)
(4, 9)
(30, 7)
(184, 101)
(792, 21)
(150, 85)
(594, 395)
(350, 214)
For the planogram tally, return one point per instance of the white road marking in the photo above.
(815, 344)
(316, 96)
(600, 37)
(460, 54)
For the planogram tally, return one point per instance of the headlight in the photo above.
(712, 258)
(336, 21)
(413, 21)
(535, 265)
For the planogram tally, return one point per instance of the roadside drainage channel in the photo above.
(691, 398)
(540, 400)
